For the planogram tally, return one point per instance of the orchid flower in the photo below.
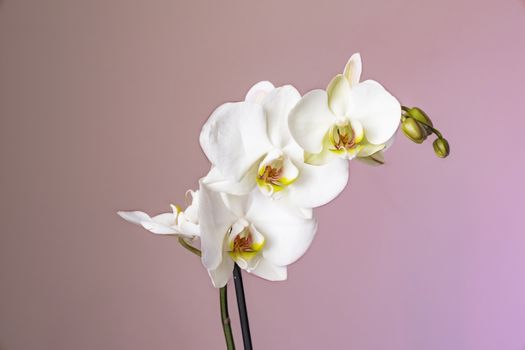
(350, 119)
(183, 223)
(274, 157)
(260, 235)
(249, 145)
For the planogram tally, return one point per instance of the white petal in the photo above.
(186, 225)
(319, 184)
(188, 228)
(163, 224)
(369, 149)
(375, 159)
(277, 105)
(192, 211)
(160, 224)
(214, 220)
(258, 92)
(135, 217)
(269, 271)
(378, 111)
(159, 228)
(353, 69)
(218, 182)
(310, 120)
(307, 213)
(323, 157)
(220, 275)
(338, 91)
(238, 205)
(390, 142)
(287, 234)
(294, 152)
(166, 219)
(275, 155)
(290, 171)
(234, 137)
(285, 201)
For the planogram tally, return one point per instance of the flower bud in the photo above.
(414, 130)
(441, 147)
(419, 115)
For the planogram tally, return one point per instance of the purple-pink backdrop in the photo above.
(101, 103)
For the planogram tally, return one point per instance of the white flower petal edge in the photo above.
(310, 120)
(258, 92)
(320, 184)
(215, 220)
(221, 275)
(376, 109)
(378, 157)
(353, 69)
(234, 137)
(219, 183)
(288, 235)
(277, 105)
(184, 223)
(270, 272)
(135, 217)
(338, 91)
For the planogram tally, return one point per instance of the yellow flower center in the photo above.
(245, 246)
(276, 171)
(271, 175)
(345, 138)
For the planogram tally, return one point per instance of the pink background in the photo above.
(101, 103)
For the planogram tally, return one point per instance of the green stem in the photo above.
(225, 318)
(188, 246)
(223, 293)
(434, 130)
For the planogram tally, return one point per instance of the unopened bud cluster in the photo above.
(417, 126)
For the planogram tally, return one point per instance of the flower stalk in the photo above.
(243, 312)
(223, 299)
(189, 247)
(225, 318)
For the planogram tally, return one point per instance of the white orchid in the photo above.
(274, 157)
(260, 235)
(249, 145)
(350, 119)
(184, 223)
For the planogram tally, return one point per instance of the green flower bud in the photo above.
(414, 130)
(441, 147)
(419, 115)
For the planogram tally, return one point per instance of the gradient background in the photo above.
(101, 103)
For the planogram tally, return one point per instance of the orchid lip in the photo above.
(245, 244)
(345, 137)
(276, 171)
